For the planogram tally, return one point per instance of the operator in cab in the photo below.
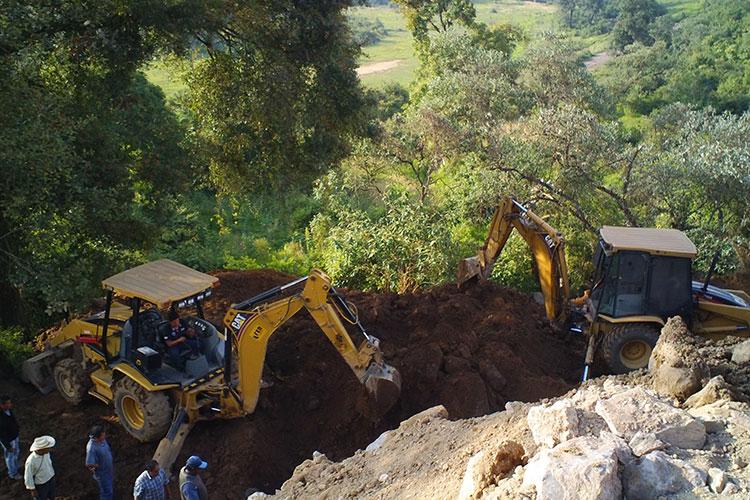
(180, 339)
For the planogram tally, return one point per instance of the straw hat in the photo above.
(42, 442)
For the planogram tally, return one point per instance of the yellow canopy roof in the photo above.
(647, 239)
(160, 282)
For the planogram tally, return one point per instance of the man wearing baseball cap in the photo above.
(191, 484)
(39, 475)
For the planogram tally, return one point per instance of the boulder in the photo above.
(715, 390)
(741, 352)
(552, 425)
(717, 480)
(676, 382)
(657, 475)
(579, 468)
(636, 410)
(489, 466)
(436, 412)
(492, 376)
(676, 364)
(643, 443)
(730, 415)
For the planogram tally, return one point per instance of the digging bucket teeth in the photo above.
(467, 269)
(383, 383)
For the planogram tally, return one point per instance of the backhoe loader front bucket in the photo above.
(468, 269)
(383, 382)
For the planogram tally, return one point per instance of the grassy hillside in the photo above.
(533, 17)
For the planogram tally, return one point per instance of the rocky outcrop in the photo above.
(552, 425)
(488, 466)
(656, 475)
(715, 390)
(579, 468)
(636, 411)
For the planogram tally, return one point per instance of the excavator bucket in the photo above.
(383, 383)
(468, 269)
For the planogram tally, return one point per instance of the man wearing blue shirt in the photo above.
(99, 461)
(191, 484)
(152, 483)
(179, 338)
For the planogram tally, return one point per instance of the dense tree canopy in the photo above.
(85, 145)
(277, 93)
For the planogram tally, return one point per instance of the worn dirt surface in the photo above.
(471, 350)
(378, 67)
(597, 60)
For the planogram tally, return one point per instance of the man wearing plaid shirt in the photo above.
(152, 483)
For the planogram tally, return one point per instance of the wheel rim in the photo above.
(132, 412)
(65, 384)
(635, 354)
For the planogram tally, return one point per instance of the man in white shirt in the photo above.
(39, 475)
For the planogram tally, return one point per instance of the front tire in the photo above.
(145, 415)
(628, 347)
(71, 380)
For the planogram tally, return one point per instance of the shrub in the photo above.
(14, 350)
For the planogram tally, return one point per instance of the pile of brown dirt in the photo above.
(471, 350)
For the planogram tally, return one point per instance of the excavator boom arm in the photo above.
(547, 248)
(253, 329)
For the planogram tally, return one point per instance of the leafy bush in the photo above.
(404, 246)
(14, 350)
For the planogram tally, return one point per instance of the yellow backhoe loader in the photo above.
(118, 355)
(643, 276)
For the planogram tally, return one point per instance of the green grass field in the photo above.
(160, 73)
(534, 18)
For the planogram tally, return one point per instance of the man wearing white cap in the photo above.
(39, 475)
(191, 484)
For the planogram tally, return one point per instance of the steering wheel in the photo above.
(202, 330)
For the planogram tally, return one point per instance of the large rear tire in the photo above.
(71, 380)
(628, 347)
(145, 415)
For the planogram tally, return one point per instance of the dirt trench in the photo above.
(471, 350)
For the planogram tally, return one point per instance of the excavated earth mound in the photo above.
(471, 350)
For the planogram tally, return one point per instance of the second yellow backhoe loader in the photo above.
(119, 355)
(643, 276)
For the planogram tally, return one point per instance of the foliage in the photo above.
(85, 146)
(554, 73)
(590, 16)
(367, 32)
(404, 247)
(704, 159)
(634, 21)
(14, 350)
(702, 60)
(267, 110)
(426, 16)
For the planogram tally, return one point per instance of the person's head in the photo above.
(42, 445)
(195, 464)
(152, 467)
(174, 318)
(98, 433)
(5, 403)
